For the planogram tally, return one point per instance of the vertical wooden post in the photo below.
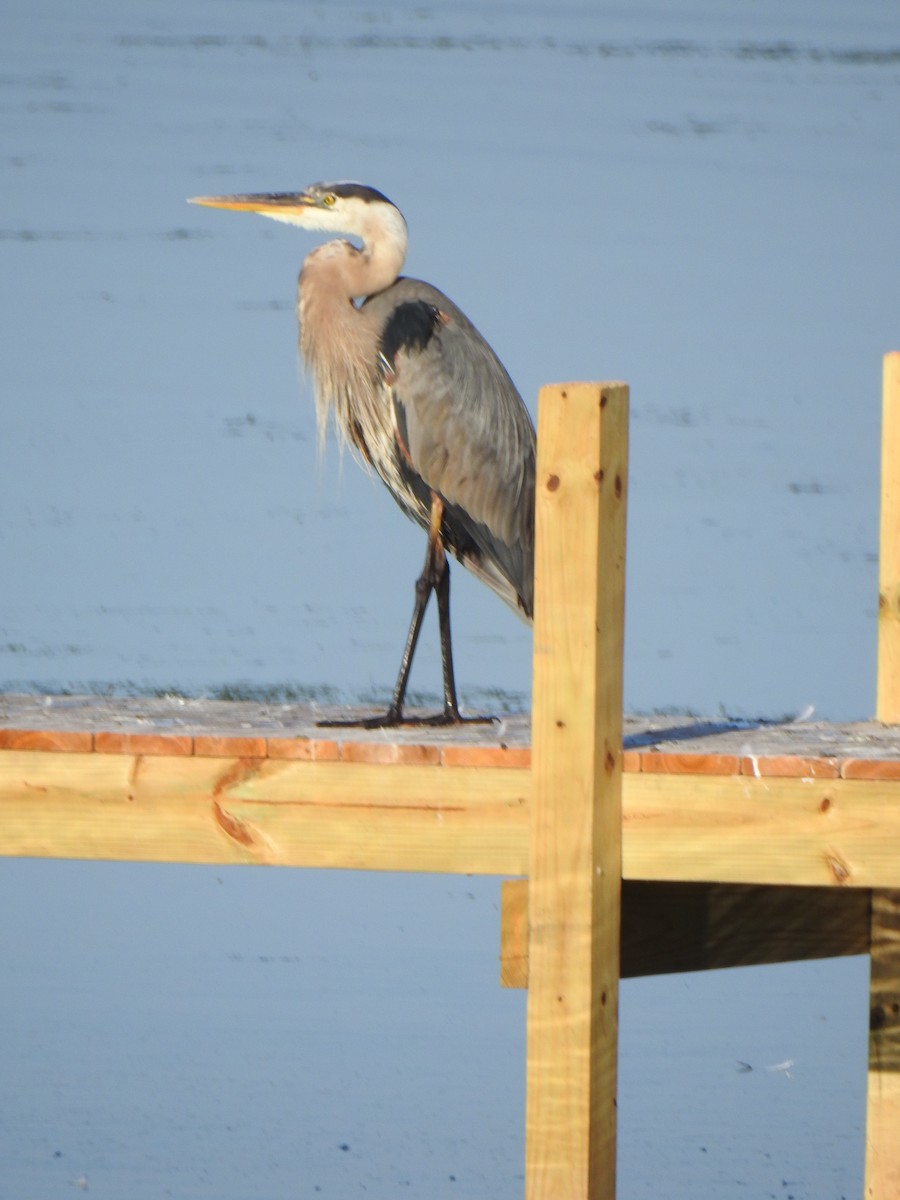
(575, 863)
(883, 1109)
(887, 708)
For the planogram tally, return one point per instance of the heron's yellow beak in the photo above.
(277, 203)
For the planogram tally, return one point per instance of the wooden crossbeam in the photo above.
(843, 833)
(265, 811)
(745, 829)
(669, 927)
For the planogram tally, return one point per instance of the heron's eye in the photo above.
(328, 199)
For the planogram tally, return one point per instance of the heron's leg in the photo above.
(437, 572)
(435, 577)
(451, 714)
(425, 585)
(442, 591)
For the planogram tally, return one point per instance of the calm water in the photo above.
(697, 198)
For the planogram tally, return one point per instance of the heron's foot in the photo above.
(394, 719)
(449, 718)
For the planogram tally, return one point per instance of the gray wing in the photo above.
(463, 433)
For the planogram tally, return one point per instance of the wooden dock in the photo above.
(633, 845)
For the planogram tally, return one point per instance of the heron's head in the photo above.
(350, 208)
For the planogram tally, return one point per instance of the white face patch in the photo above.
(367, 221)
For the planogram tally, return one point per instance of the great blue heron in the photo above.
(419, 396)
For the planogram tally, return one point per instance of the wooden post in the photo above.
(887, 708)
(576, 829)
(883, 1109)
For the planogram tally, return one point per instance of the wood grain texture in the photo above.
(741, 829)
(575, 867)
(668, 763)
(744, 829)
(72, 723)
(790, 765)
(887, 706)
(277, 812)
(514, 933)
(669, 927)
(66, 741)
(870, 768)
(143, 743)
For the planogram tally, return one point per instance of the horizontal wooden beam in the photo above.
(669, 927)
(746, 829)
(469, 820)
(280, 813)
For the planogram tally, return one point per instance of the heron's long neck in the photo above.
(338, 341)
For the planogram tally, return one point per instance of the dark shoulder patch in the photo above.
(410, 326)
